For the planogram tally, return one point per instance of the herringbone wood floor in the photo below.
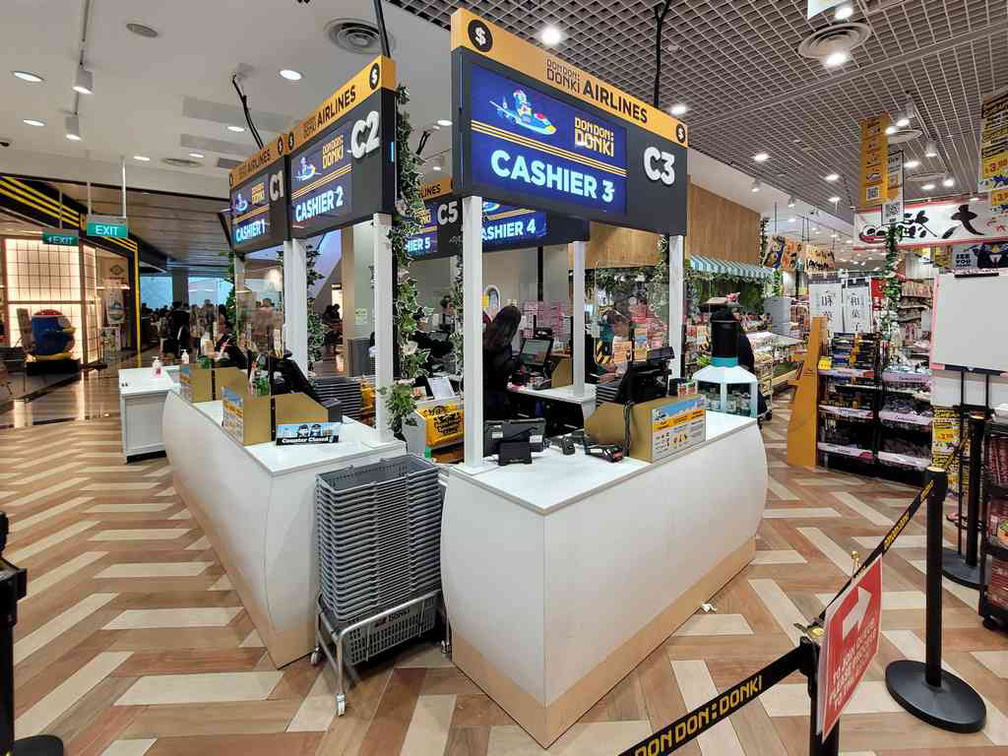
(132, 642)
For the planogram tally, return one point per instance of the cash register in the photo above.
(533, 359)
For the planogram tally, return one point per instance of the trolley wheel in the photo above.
(340, 705)
(316, 656)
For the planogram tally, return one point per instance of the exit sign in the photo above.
(108, 226)
(61, 237)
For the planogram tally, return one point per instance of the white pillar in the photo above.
(295, 304)
(383, 317)
(472, 324)
(578, 333)
(675, 282)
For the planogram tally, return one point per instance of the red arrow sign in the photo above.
(850, 642)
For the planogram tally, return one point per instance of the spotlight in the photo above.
(931, 149)
(83, 81)
(756, 185)
(73, 129)
(791, 201)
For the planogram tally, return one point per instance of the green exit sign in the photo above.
(61, 237)
(107, 226)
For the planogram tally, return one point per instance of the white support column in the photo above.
(383, 318)
(578, 308)
(676, 283)
(472, 324)
(295, 304)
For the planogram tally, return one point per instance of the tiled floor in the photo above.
(131, 641)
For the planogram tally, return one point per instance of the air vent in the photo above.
(228, 163)
(356, 36)
(832, 39)
(905, 135)
(181, 162)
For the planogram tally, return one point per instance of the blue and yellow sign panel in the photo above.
(504, 226)
(342, 156)
(258, 200)
(536, 131)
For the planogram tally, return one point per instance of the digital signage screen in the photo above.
(342, 157)
(258, 201)
(533, 131)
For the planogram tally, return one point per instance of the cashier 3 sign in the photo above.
(850, 642)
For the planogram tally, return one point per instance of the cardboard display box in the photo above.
(658, 428)
(197, 384)
(253, 419)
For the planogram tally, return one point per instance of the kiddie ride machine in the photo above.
(51, 343)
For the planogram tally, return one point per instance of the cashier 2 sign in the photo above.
(850, 642)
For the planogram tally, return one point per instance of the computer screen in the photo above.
(535, 352)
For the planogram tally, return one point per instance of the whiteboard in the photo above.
(971, 322)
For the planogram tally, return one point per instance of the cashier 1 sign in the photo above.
(534, 131)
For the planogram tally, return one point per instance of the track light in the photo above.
(438, 163)
(756, 185)
(906, 116)
(83, 81)
(791, 201)
(931, 149)
(73, 130)
(948, 182)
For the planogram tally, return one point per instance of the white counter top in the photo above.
(140, 381)
(565, 394)
(553, 480)
(356, 440)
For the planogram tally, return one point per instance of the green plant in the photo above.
(763, 239)
(399, 397)
(892, 289)
(457, 337)
(778, 282)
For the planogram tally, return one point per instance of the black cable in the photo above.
(423, 142)
(660, 13)
(248, 116)
(382, 29)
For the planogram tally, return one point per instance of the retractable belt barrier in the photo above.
(803, 658)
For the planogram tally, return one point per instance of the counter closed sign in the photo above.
(536, 128)
(342, 160)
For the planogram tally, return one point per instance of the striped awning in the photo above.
(742, 270)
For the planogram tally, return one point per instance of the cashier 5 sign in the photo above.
(850, 642)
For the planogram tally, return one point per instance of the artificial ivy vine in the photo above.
(892, 289)
(409, 206)
(457, 336)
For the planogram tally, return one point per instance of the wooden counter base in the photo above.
(547, 723)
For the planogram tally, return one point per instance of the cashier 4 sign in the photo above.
(850, 642)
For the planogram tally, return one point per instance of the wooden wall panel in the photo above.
(717, 227)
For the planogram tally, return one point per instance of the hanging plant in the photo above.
(457, 337)
(778, 282)
(399, 397)
(763, 239)
(892, 289)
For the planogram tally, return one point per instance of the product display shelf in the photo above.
(905, 420)
(775, 361)
(993, 604)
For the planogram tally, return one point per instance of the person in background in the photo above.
(437, 349)
(443, 321)
(746, 357)
(499, 362)
(615, 324)
(333, 323)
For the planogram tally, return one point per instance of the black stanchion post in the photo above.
(925, 689)
(964, 568)
(810, 668)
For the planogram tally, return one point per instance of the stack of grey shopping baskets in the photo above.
(347, 390)
(378, 535)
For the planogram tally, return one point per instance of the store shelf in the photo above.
(845, 451)
(893, 376)
(910, 418)
(902, 460)
(783, 379)
(848, 373)
(848, 413)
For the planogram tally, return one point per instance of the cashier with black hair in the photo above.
(499, 362)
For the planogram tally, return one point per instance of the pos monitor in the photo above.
(535, 353)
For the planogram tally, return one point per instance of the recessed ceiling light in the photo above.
(551, 35)
(290, 74)
(236, 129)
(678, 109)
(756, 185)
(832, 236)
(928, 187)
(197, 155)
(443, 122)
(28, 76)
(835, 59)
(831, 177)
(761, 157)
(948, 181)
(142, 30)
(848, 241)
(791, 220)
(33, 122)
(890, 130)
(911, 163)
(974, 199)
(142, 158)
(83, 81)
(816, 229)
(834, 199)
(844, 12)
